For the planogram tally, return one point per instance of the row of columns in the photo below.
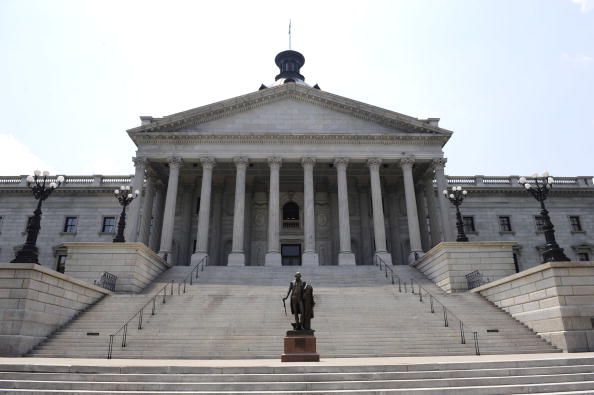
(163, 225)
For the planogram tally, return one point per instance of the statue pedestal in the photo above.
(300, 346)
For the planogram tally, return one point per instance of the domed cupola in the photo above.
(289, 62)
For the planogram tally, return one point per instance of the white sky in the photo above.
(513, 79)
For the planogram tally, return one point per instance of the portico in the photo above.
(302, 177)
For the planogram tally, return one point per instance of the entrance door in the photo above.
(291, 254)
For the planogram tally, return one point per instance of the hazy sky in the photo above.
(514, 79)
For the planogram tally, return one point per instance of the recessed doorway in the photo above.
(291, 254)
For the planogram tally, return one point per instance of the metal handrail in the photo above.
(447, 313)
(153, 299)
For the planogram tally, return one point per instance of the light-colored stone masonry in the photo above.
(447, 264)
(556, 300)
(35, 301)
(134, 264)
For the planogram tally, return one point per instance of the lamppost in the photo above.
(540, 190)
(41, 189)
(456, 196)
(125, 197)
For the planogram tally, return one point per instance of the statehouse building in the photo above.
(293, 175)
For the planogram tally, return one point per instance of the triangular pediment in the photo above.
(290, 108)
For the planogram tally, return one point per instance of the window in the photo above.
(576, 225)
(583, 256)
(505, 224)
(1, 220)
(70, 224)
(109, 224)
(539, 222)
(61, 263)
(468, 224)
(291, 215)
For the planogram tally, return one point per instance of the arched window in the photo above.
(290, 211)
(291, 215)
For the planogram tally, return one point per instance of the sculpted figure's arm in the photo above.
(289, 291)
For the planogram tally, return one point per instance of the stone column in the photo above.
(131, 233)
(422, 213)
(273, 256)
(156, 227)
(237, 255)
(147, 210)
(169, 212)
(447, 232)
(204, 212)
(379, 227)
(310, 256)
(366, 252)
(416, 249)
(432, 208)
(345, 255)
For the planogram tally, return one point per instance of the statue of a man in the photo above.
(297, 290)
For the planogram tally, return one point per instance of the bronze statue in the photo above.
(302, 303)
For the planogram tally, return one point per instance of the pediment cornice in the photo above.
(288, 139)
(191, 118)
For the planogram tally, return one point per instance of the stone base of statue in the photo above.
(300, 346)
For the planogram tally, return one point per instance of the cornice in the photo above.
(253, 100)
(315, 139)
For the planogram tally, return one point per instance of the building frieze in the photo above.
(288, 139)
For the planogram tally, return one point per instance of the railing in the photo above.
(291, 224)
(107, 281)
(433, 301)
(160, 295)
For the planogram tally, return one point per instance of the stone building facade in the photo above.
(293, 175)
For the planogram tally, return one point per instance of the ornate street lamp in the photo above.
(41, 189)
(456, 196)
(125, 197)
(540, 190)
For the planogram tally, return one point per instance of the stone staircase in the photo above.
(237, 313)
(540, 374)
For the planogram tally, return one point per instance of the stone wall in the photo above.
(134, 264)
(556, 300)
(35, 301)
(447, 264)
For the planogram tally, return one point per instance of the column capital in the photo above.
(240, 161)
(439, 163)
(407, 163)
(139, 161)
(341, 162)
(374, 163)
(308, 161)
(175, 162)
(275, 161)
(207, 162)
